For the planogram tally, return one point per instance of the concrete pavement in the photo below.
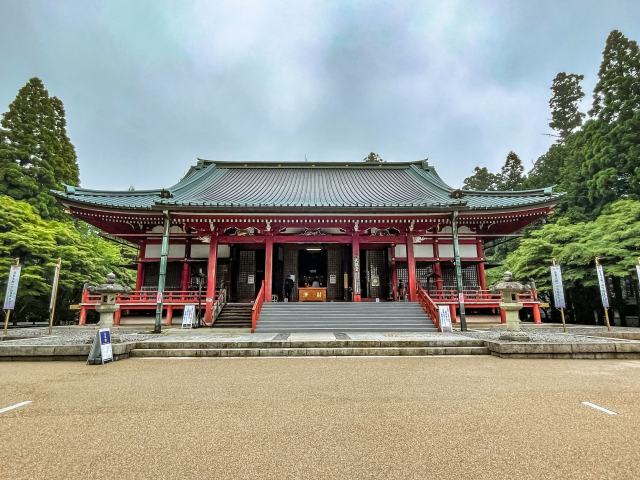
(435, 417)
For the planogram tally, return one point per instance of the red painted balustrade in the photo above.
(429, 306)
(257, 308)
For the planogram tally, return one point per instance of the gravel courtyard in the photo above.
(447, 417)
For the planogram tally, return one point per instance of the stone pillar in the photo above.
(211, 278)
(268, 267)
(355, 260)
(411, 269)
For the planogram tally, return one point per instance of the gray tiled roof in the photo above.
(302, 185)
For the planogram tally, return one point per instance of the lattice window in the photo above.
(334, 268)
(246, 291)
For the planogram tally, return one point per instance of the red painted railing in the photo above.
(257, 308)
(429, 306)
(221, 301)
(145, 297)
(477, 297)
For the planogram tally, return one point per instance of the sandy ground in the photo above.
(443, 417)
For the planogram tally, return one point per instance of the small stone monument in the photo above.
(510, 289)
(107, 306)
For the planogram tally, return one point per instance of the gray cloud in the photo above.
(150, 85)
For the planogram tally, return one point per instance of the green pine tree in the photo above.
(617, 93)
(511, 175)
(482, 179)
(567, 93)
(36, 154)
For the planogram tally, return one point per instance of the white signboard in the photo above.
(638, 273)
(603, 286)
(188, 316)
(332, 279)
(251, 279)
(558, 289)
(106, 352)
(12, 287)
(445, 318)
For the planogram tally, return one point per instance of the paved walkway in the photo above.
(322, 418)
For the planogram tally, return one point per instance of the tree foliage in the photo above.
(564, 103)
(616, 95)
(512, 173)
(482, 179)
(36, 154)
(614, 236)
(38, 243)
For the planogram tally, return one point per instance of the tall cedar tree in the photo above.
(36, 154)
(512, 173)
(482, 179)
(567, 93)
(616, 96)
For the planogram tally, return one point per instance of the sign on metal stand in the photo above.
(445, 318)
(603, 292)
(54, 294)
(101, 351)
(558, 291)
(11, 293)
(188, 315)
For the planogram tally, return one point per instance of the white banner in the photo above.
(188, 315)
(106, 352)
(603, 286)
(445, 318)
(12, 287)
(638, 273)
(558, 288)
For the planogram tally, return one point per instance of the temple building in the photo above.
(331, 231)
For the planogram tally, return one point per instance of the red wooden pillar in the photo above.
(481, 274)
(140, 273)
(211, 278)
(355, 259)
(452, 311)
(437, 268)
(411, 267)
(268, 267)
(117, 316)
(83, 310)
(186, 270)
(394, 273)
(503, 316)
(536, 314)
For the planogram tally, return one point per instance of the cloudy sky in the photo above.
(149, 86)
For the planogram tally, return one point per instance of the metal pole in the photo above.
(458, 265)
(164, 253)
(54, 294)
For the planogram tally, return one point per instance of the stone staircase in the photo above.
(314, 348)
(234, 315)
(343, 317)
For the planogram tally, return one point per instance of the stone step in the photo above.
(437, 341)
(308, 351)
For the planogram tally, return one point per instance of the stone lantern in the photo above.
(511, 306)
(107, 305)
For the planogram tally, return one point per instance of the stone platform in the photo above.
(73, 343)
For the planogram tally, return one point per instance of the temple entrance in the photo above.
(312, 267)
(374, 276)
